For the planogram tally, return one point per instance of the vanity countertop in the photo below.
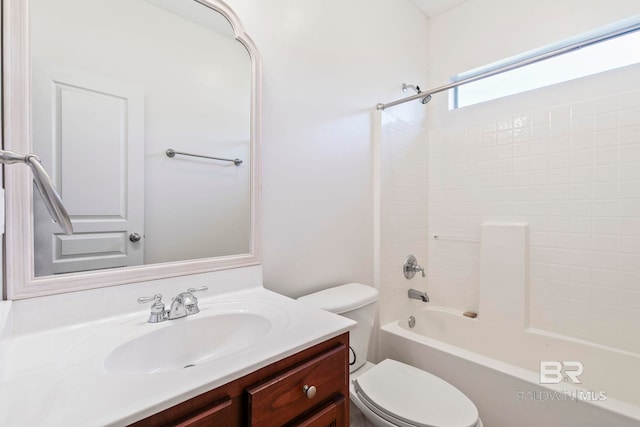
(57, 377)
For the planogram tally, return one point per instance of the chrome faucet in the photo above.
(416, 294)
(183, 304)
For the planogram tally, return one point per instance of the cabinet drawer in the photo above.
(220, 414)
(331, 415)
(281, 399)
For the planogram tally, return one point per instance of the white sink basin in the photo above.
(222, 329)
(188, 342)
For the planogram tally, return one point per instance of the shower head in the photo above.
(406, 86)
(426, 99)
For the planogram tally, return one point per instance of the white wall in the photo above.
(326, 65)
(564, 159)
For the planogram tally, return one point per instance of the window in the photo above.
(606, 49)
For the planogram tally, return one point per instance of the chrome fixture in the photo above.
(45, 187)
(158, 313)
(418, 91)
(416, 294)
(183, 304)
(412, 322)
(415, 88)
(172, 153)
(512, 65)
(135, 237)
(426, 99)
(411, 267)
(455, 238)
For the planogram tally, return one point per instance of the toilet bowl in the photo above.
(390, 393)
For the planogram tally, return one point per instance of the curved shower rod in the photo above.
(51, 199)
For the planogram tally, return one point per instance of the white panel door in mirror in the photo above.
(89, 131)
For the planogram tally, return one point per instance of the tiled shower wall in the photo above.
(401, 197)
(572, 172)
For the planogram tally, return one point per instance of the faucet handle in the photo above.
(200, 289)
(157, 298)
(158, 313)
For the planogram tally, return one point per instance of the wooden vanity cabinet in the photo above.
(275, 395)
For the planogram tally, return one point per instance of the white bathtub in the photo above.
(499, 371)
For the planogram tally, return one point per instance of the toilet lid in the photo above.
(397, 391)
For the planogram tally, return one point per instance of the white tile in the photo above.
(582, 124)
(630, 153)
(630, 117)
(629, 190)
(604, 225)
(579, 241)
(630, 244)
(558, 160)
(605, 190)
(630, 172)
(558, 176)
(558, 224)
(580, 224)
(605, 121)
(580, 175)
(604, 208)
(607, 138)
(580, 191)
(630, 135)
(540, 117)
(582, 109)
(559, 128)
(560, 113)
(605, 173)
(630, 263)
(582, 141)
(629, 226)
(605, 242)
(559, 143)
(606, 156)
(573, 173)
(630, 208)
(504, 123)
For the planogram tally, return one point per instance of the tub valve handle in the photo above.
(411, 267)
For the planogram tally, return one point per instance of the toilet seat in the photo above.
(407, 396)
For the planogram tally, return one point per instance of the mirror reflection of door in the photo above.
(89, 129)
(116, 84)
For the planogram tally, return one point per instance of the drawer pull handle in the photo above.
(309, 391)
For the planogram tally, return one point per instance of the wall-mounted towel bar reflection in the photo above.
(172, 153)
(50, 196)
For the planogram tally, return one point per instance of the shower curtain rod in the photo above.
(426, 95)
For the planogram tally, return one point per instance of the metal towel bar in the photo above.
(172, 153)
(455, 238)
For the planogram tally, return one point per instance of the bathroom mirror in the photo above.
(146, 115)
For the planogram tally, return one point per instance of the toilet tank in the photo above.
(354, 301)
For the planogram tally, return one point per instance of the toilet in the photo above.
(390, 393)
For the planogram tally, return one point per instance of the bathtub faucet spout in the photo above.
(416, 294)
